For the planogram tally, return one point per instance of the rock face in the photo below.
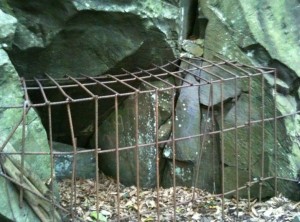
(35, 135)
(196, 161)
(85, 163)
(132, 34)
(146, 157)
(8, 26)
(263, 33)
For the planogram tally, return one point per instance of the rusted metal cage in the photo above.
(217, 86)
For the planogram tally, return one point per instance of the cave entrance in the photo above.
(191, 122)
(183, 113)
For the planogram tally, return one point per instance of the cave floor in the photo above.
(205, 207)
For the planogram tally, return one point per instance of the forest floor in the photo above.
(205, 207)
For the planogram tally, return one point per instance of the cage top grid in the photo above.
(107, 86)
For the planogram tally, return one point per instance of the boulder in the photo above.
(85, 162)
(35, 140)
(140, 154)
(8, 26)
(261, 33)
(99, 37)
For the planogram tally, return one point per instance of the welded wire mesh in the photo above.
(98, 98)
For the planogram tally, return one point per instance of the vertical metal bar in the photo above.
(136, 116)
(262, 174)
(236, 148)
(96, 153)
(117, 154)
(222, 147)
(47, 102)
(249, 141)
(157, 155)
(23, 153)
(52, 158)
(213, 122)
(174, 152)
(73, 188)
(275, 132)
(26, 107)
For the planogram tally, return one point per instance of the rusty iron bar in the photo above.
(21, 197)
(102, 84)
(200, 67)
(143, 145)
(82, 86)
(96, 154)
(52, 172)
(173, 114)
(243, 70)
(246, 65)
(117, 154)
(157, 155)
(140, 79)
(108, 96)
(189, 71)
(60, 88)
(42, 91)
(99, 77)
(74, 144)
(124, 83)
(249, 184)
(50, 143)
(231, 64)
(249, 140)
(275, 133)
(236, 149)
(156, 77)
(222, 151)
(172, 74)
(25, 107)
(136, 115)
(263, 136)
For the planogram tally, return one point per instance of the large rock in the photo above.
(87, 37)
(262, 33)
(255, 145)
(187, 121)
(197, 158)
(85, 162)
(143, 155)
(8, 26)
(35, 140)
(99, 37)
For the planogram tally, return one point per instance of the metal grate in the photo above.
(97, 98)
(109, 86)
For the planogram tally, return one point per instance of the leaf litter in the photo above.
(145, 205)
